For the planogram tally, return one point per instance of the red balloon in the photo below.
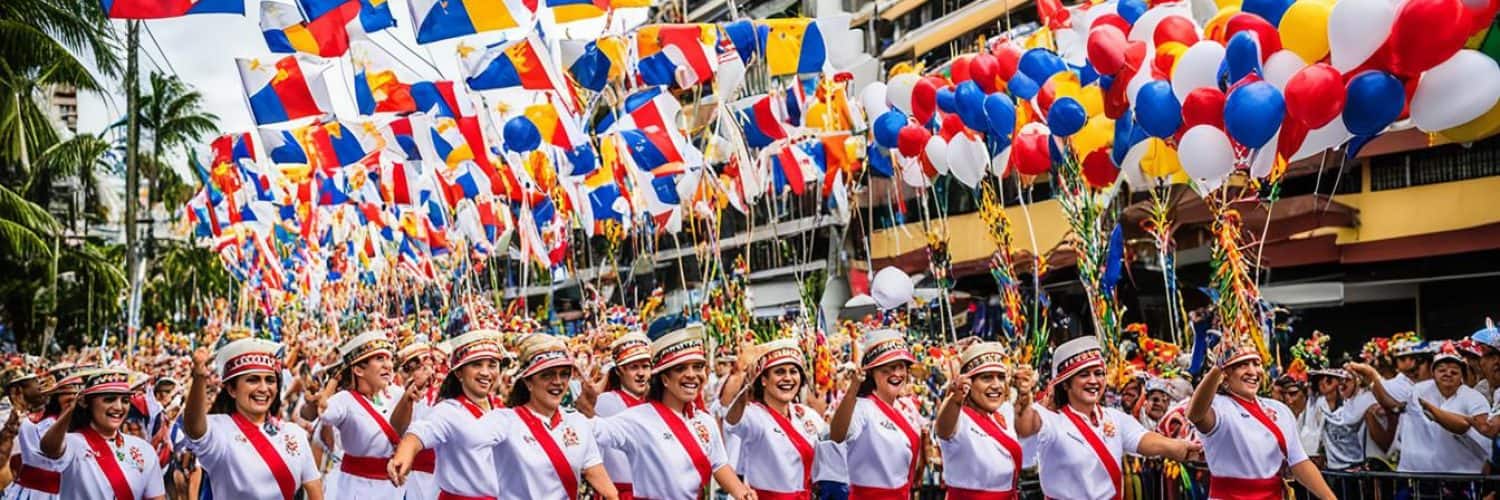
(911, 140)
(1270, 39)
(1099, 170)
(1290, 139)
(1135, 58)
(1426, 32)
(1029, 154)
(1111, 19)
(959, 70)
(923, 100)
(1007, 60)
(1115, 102)
(1203, 106)
(1479, 19)
(985, 71)
(1175, 29)
(952, 125)
(1106, 49)
(1315, 95)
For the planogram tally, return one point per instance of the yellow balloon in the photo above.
(1173, 50)
(1160, 160)
(1214, 28)
(1304, 29)
(1095, 135)
(1486, 125)
(1064, 84)
(1228, 4)
(1092, 99)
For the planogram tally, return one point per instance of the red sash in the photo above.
(426, 461)
(804, 449)
(474, 409)
(911, 434)
(443, 495)
(365, 467)
(43, 480)
(549, 446)
(1111, 464)
(761, 494)
(626, 491)
(988, 424)
(1233, 488)
(964, 494)
(688, 442)
(1255, 411)
(877, 493)
(268, 454)
(385, 426)
(630, 401)
(105, 457)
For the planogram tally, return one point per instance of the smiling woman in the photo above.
(97, 459)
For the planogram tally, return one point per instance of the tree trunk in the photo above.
(132, 175)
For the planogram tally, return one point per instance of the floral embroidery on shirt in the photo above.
(570, 438)
(290, 445)
(135, 456)
(702, 432)
(1109, 429)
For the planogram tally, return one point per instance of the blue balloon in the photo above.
(1086, 73)
(1041, 64)
(521, 135)
(970, 100)
(1126, 136)
(1022, 86)
(1252, 113)
(1270, 10)
(945, 100)
(1000, 113)
(1373, 99)
(1066, 117)
(1131, 9)
(1241, 56)
(888, 126)
(1157, 109)
(880, 165)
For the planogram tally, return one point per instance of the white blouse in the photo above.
(464, 445)
(662, 467)
(1240, 446)
(238, 471)
(975, 460)
(83, 477)
(528, 470)
(615, 462)
(1069, 466)
(768, 459)
(879, 453)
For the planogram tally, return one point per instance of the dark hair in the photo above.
(612, 379)
(53, 407)
(1060, 394)
(656, 389)
(224, 402)
(451, 386)
(84, 415)
(345, 378)
(758, 390)
(519, 394)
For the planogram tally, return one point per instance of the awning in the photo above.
(953, 25)
(900, 8)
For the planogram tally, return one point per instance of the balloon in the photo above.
(1252, 113)
(1059, 86)
(951, 126)
(1106, 49)
(891, 288)
(1023, 87)
(1265, 33)
(1204, 106)
(1175, 29)
(914, 172)
(971, 105)
(1280, 67)
(1095, 136)
(1207, 155)
(1356, 29)
(872, 97)
(959, 70)
(1373, 100)
(898, 91)
(946, 100)
(1270, 10)
(1000, 164)
(1131, 10)
(1041, 64)
(521, 135)
(1157, 110)
(1166, 57)
(1217, 25)
(1315, 95)
(1455, 92)
(1290, 139)
(1066, 117)
(1159, 159)
(1484, 126)
(937, 153)
(888, 128)
(1304, 29)
(1098, 170)
(1330, 136)
(911, 140)
(1007, 61)
(1029, 153)
(1425, 33)
(1198, 67)
(1242, 56)
(1263, 160)
(999, 114)
(985, 71)
(923, 100)
(1116, 103)
(1144, 29)
(1110, 19)
(967, 160)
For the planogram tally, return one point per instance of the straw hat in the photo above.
(883, 346)
(248, 355)
(982, 357)
(539, 352)
(474, 346)
(776, 352)
(1074, 356)
(675, 341)
(365, 345)
(106, 381)
(629, 348)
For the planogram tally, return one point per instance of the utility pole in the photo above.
(132, 178)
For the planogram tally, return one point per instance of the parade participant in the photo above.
(416, 359)
(626, 385)
(1158, 401)
(1435, 417)
(981, 455)
(1080, 444)
(97, 459)
(883, 446)
(776, 432)
(672, 446)
(35, 480)
(278, 461)
(1234, 422)
(547, 451)
(369, 415)
(463, 429)
(1345, 431)
(23, 389)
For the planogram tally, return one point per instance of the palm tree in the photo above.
(172, 117)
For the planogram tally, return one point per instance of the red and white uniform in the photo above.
(616, 463)
(534, 468)
(35, 479)
(365, 432)
(421, 484)
(664, 467)
(1248, 445)
(1081, 455)
(231, 453)
(93, 466)
(881, 446)
(983, 458)
(777, 451)
(463, 437)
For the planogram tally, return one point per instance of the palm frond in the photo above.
(21, 241)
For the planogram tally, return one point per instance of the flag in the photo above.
(763, 120)
(649, 130)
(280, 91)
(731, 73)
(443, 19)
(400, 130)
(792, 46)
(329, 35)
(663, 49)
(521, 63)
(373, 15)
(162, 9)
(595, 63)
(405, 183)
(333, 145)
(376, 87)
(565, 11)
(789, 169)
(440, 99)
(283, 147)
(557, 129)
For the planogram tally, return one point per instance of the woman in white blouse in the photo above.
(464, 428)
(883, 445)
(98, 461)
(777, 434)
(547, 452)
(982, 459)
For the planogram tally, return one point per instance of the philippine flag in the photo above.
(162, 9)
(444, 19)
(523, 63)
(280, 92)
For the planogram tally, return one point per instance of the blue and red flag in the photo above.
(163, 9)
(280, 91)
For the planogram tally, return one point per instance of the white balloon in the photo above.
(1084, 21)
(967, 159)
(1280, 67)
(912, 173)
(872, 98)
(891, 288)
(1262, 160)
(1144, 29)
(1356, 29)
(898, 91)
(1000, 164)
(1130, 167)
(1198, 67)
(1456, 91)
(1330, 136)
(1072, 47)
(937, 153)
(1206, 154)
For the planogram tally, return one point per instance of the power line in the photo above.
(158, 50)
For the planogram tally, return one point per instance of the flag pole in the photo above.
(132, 178)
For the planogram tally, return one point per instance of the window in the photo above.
(1448, 163)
